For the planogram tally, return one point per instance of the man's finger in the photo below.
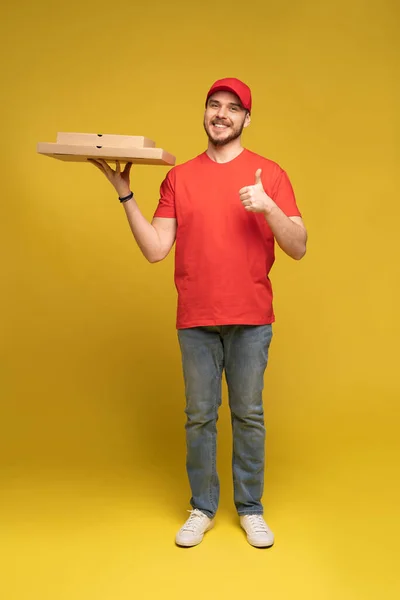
(96, 164)
(108, 170)
(245, 195)
(243, 190)
(258, 176)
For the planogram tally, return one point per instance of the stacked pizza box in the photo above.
(78, 147)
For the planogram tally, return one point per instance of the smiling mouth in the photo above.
(220, 126)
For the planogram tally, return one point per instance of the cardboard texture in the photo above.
(78, 147)
(100, 139)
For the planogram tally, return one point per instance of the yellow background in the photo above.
(92, 443)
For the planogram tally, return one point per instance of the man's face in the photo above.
(224, 118)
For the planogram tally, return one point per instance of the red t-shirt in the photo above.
(223, 253)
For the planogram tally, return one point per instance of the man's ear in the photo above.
(247, 120)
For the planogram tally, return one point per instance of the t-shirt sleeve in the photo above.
(166, 203)
(284, 197)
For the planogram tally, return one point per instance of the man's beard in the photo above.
(223, 141)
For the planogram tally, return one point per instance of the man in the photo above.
(224, 209)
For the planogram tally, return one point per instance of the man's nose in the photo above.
(222, 112)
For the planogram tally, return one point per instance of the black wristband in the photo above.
(126, 197)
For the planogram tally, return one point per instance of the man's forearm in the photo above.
(291, 237)
(144, 233)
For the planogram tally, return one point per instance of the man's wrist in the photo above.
(127, 196)
(269, 206)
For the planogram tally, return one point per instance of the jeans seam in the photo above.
(213, 478)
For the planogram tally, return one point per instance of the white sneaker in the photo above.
(258, 532)
(194, 529)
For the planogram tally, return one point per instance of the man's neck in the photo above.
(223, 154)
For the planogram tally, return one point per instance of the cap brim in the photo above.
(225, 88)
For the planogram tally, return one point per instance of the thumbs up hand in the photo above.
(254, 198)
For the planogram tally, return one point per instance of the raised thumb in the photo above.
(258, 176)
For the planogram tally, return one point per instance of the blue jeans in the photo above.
(242, 350)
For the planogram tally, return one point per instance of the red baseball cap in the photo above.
(231, 84)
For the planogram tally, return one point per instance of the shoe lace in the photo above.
(194, 521)
(258, 524)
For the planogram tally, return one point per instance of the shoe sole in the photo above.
(260, 545)
(190, 545)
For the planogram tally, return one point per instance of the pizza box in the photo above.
(78, 147)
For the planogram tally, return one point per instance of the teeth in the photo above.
(219, 125)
